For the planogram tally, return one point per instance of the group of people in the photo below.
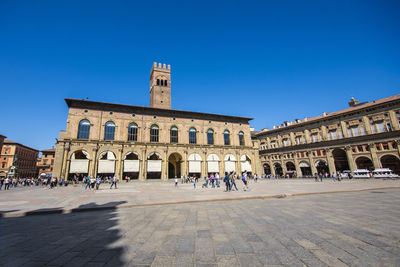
(94, 183)
(28, 182)
(214, 180)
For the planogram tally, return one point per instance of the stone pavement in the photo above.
(25, 201)
(341, 229)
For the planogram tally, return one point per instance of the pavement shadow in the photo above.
(76, 238)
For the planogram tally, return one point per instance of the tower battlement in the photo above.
(160, 86)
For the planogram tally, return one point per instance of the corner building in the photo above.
(156, 142)
(363, 136)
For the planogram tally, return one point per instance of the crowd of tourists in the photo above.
(9, 183)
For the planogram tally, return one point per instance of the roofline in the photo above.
(9, 142)
(328, 116)
(151, 111)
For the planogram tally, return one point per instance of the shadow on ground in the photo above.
(76, 238)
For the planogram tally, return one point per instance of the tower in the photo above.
(160, 86)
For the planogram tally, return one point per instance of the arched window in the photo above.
(192, 136)
(109, 131)
(241, 138)
(158, 81)
(162, 82)
(227, 140)
(210, 136)
(165, 83)
(174, 135)
(154, 133)
(84, 129)
(132, 132)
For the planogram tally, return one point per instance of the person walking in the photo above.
(232, 178)
(194, 183)
(176, 182)
(113, 182)
(7, 184)
(98, 181)
(87, 183)
(245, 187)
(217, 179)
(228, 186)
(333, 176)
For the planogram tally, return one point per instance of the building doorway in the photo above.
(364, 163)
(174, 165)
(340, 158)
(391, 162)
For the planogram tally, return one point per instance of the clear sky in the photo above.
(270, 60)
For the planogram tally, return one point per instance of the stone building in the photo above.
(45, 163)
(26, 159)
(363, 136)
(106, 139)
(2, 137)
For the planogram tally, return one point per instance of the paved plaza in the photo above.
(21, 200)
(339, 229)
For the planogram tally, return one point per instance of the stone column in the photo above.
(143, 169)
(268, 142)
(164, 166)
(393, 121)
(284, 170)
(93, 167)
(221, 167)
(203, 165)
(184, 166)
(367, 125)
(312, 164)
(64, 169)
(118, 166)
(279, 141)
(330, 160)
(67, 163)
(297, 165)
(350, 159)
(344, 129)
(375, 161)
(271, 165)
(398, 145)
(238, 165)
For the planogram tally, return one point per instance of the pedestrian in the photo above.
(7, 184)
(1, 183)
(245, 187)
(212, 181)
(232, 178)
(217, 179)
(194, 183)
(113, 182)
(255, 178)
(226, 180)
(98, 181)
(87, 182)
(333, 176)
(176, 182)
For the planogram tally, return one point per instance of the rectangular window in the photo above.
(174, 136)
(362, 130)
(373, 128)
(154, 135)
(132, 133)
(332, 135)
(340, 134)
(3, 164)
(349, 133)
(388, 127)
(355, 131)
(192, 137)
(380, 127)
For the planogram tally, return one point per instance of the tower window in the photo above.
(158, 81)
(162, 82)
(165, 83)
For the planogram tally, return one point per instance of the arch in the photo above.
(173, 133)
(84, 129)
(392, 162)
(245, 163)
(241, 138)
(132, 132)
(230, 163)
(131, 165)
(192, 135)
(364, 163)
(278, 169)
(174, 165)
(290, 166)
(227, 138)
(79, 164)
(154, 165)
(305, 168)
(340, 159)
(322, 167)
(212, 163)
(194, 164)
(267, 169)
(210, 136)
(106, 165)
(131, 155)
(154, 133)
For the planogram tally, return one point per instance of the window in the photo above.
(241, 138)
(388, 127)
(174, 135)
(109, 131)
(362, 130)
(286, 142)
(227, 140)
(332, 135)
(353, 131)
(210, 136)
(299, 140)
(165, 83)
(6, 151)
(314, 137)
(192, 136)
(158, 81)
(379, 127)
(3, 164)
(83, 129)
(340, 133)
(154, 133)
(132, 132)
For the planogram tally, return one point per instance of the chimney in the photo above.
(324, 113)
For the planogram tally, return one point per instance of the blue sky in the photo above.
(271, 60)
